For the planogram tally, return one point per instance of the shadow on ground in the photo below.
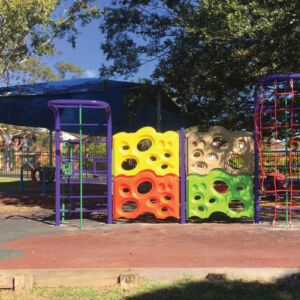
(11, 199)
(285, 289)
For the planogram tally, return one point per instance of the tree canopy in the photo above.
(208, 54)
(34, 70)
(30, 27)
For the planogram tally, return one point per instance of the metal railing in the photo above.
(11, 162)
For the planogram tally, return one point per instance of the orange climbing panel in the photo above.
(146, 193)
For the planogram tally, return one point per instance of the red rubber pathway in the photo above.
(154, 245)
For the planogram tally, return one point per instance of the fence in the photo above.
(11, 162)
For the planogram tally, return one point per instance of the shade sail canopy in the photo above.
(26, 105)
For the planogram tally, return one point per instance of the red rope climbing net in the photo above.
(277, 130)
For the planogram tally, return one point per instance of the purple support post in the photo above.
(55, 106)
(57, 168)
(109, 169)
(256, 162)
(182, 177)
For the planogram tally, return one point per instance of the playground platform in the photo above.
(31, 244)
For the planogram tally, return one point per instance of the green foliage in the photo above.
(29, 27)
(33, 70)
(208, 54)
(65, 67)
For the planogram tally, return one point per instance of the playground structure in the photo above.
(181, 175)
(147, 170)
(83, 180)
(277, 139)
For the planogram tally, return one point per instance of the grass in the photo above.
(184, 289)
(6, 180)
(12, 185)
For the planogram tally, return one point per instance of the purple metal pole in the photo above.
(256, 161)
(57, 168)
(109, 169)
(55, 105)
(182, 177)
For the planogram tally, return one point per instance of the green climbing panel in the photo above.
(219, 192)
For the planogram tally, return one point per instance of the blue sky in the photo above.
(88, 54)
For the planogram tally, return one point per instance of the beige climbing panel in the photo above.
(220, 149)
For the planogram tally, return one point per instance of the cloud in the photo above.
(91, 73)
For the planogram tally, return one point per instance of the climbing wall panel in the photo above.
(146, 149)
(219, 191)
(146, 193)
(219, 148)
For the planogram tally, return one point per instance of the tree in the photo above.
(208, 54)
(30, 27)
(34, 70)
(66, 67)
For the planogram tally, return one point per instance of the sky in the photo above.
(88, 54)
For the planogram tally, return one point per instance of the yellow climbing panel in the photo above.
(146, 149)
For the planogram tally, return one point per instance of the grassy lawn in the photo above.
(7, 179)
(184, 289)
(12, 185)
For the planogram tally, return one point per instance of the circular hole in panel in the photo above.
(144, 187)
(240, 188)
(220, 143)
(197, 197)
(236, 162)
(126, 190)
(203, 185)
(197, 153)
(195, 187)
(212, 157)
(164, 209)
(144, 145)
(201, 208)
(153, 158)
(201, 143)
(168, 155)
(129, 206)
(153, 201)
(221, 186)
(212, 200)
(241, 145)
(236, 205)
(125, 147)
(194, 143)
(167, 197)
(129, 164)
(164, 166)
(201, 165)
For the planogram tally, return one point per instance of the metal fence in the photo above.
(11, 162)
